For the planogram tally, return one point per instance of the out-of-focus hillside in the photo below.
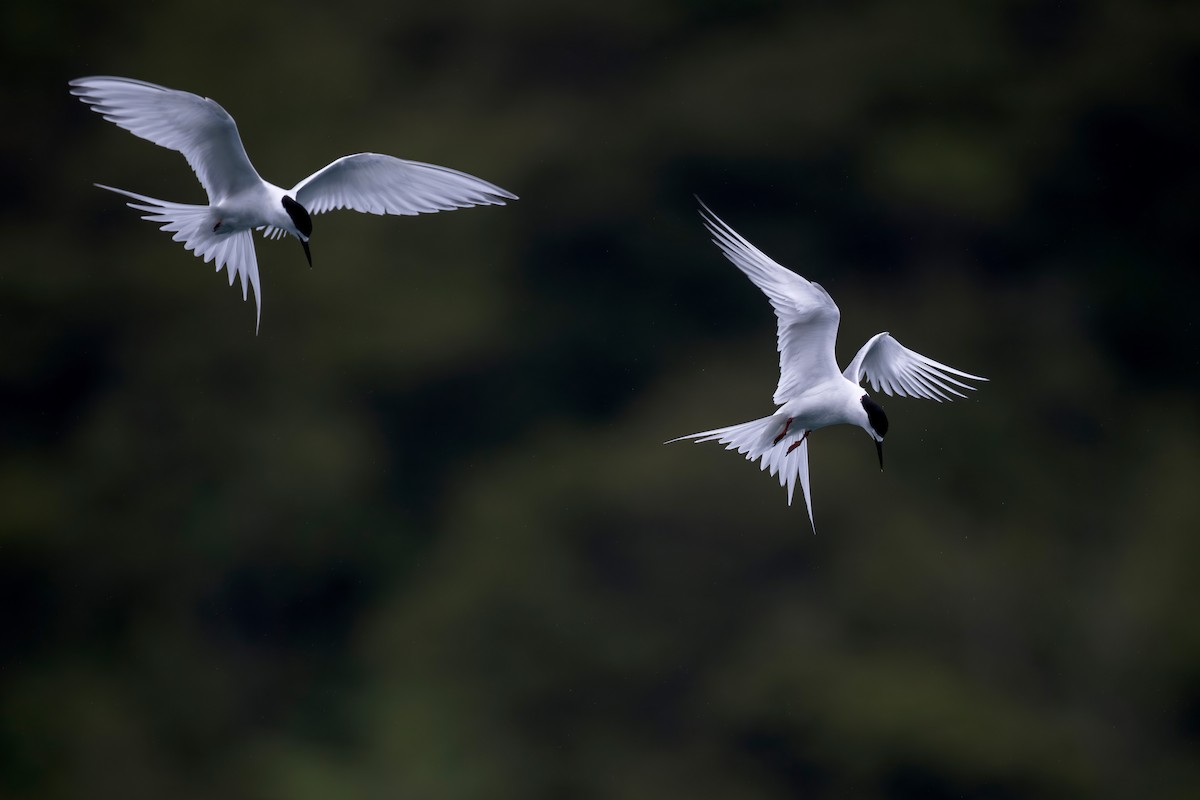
(419, 537)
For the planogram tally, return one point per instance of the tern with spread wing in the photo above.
(240, 201)
(812, 392)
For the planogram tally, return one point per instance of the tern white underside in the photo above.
(812, 393)
(239, 200)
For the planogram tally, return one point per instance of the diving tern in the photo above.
(239, 200)
(812, 393)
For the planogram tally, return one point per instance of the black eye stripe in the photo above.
(299, 215)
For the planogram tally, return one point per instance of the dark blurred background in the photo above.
(419, 538)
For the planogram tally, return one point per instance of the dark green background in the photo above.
(419, 538)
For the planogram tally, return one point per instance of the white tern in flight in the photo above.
(240, 201)
(812, 393)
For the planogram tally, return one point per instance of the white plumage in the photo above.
(812, 393)
(240, 201)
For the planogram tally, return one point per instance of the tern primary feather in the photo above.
(812, 393)
(240, 201)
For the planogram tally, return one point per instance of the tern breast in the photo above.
(255, 207)
(831, 403)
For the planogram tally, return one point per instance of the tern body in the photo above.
(240, 201)
(835, 402)
(812, 392)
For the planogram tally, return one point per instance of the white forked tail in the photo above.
(756, 440)
(193, 225)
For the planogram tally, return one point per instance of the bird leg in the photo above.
(798, 442)
(786, 425)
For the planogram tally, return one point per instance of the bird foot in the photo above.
(797, 443)
(786, 426)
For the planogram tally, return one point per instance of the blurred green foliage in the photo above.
(419, 538)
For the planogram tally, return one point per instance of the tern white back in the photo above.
(240, 201)
(812, 393)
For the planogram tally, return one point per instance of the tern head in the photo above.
(302, 221)
(878, 425)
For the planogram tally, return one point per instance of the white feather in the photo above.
(239, 200)
(812, 393)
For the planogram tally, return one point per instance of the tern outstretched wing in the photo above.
(193, 125)
(895, 369)
(379, 184)
(808, 317)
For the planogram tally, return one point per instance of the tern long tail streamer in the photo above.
(761, 439)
